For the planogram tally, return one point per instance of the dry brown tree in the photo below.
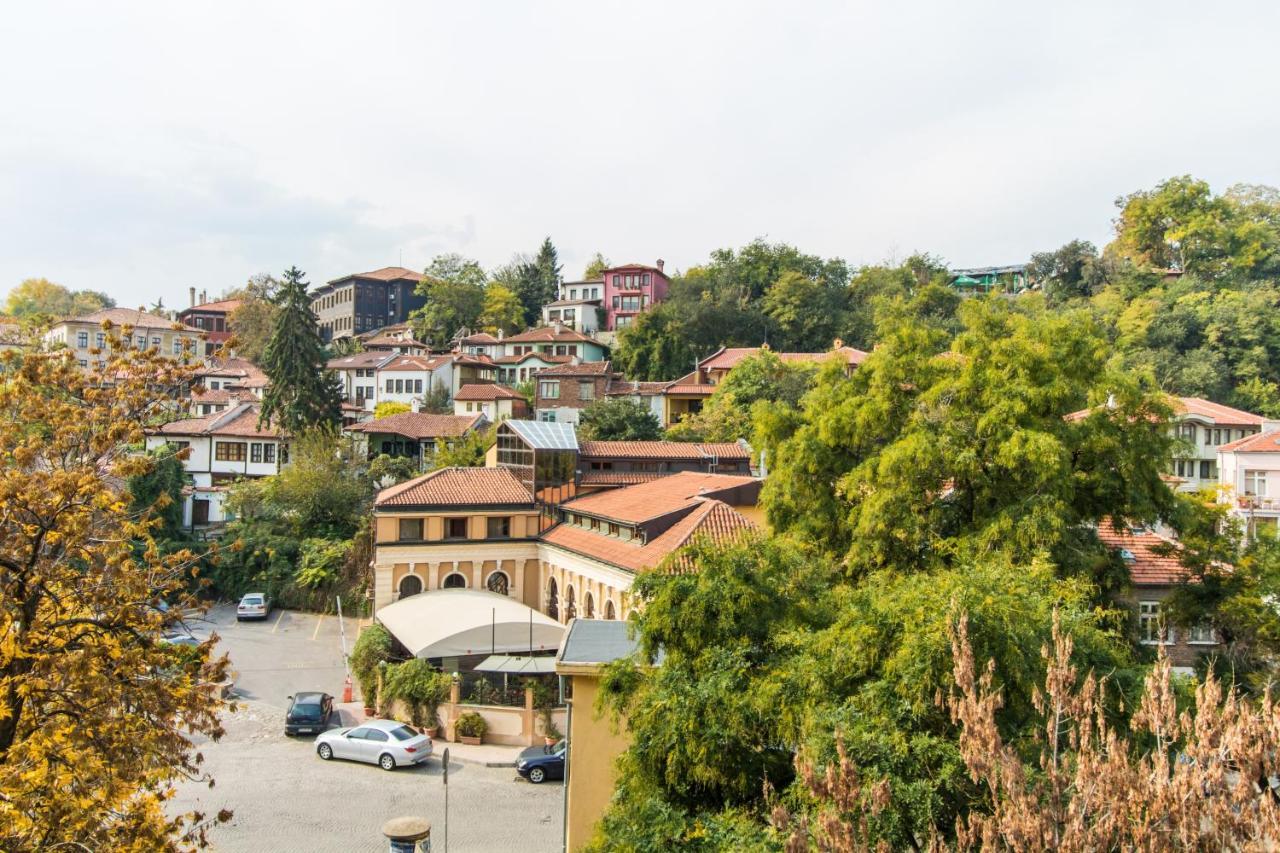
(1179, 780)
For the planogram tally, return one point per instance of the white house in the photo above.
(1204, 426)
(223, 447)
(1249, 476)
(496, 402)
(409, 378)
(86, 337)
(358, 374)
(580, 306)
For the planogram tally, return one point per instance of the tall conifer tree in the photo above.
(539, 282)
(302, 394)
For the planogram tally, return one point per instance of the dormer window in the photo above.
(1127, 555)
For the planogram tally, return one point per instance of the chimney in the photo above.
(661, 263)
(558, 327)
(193, 296)
(204, 296)
(499, 334)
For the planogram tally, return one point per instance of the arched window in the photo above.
(609, 612)
(455, 581)
(570, 605)
(498, 582)
(410, 585)
(589, 606)
(553, 600)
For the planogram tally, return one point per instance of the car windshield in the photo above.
(308, 708)
(252, 599)
(559, 747)
(403, 733)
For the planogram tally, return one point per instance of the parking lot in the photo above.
(285, 798)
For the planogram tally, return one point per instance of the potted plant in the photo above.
(470, 728)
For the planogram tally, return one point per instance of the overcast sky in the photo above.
(146, 148)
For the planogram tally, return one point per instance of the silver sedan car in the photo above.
(386, 743)
(254, 605)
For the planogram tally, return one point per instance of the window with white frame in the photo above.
(1255, 483)
(1151, 629)
(1201, 634)
(549, 389)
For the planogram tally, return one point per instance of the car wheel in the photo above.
(537, 775)
(324, 751)
(386, 762)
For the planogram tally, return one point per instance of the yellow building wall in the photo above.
(594, 745)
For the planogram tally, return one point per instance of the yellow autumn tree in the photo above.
(96, 711)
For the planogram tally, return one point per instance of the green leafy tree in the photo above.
(595, 267)
(158, 490)
(387, 408)
(924, 453)
(618, 419)
(322, 491)
(302, 393)
(39, 297)
(501, 311)
(804, 313)
(465, 452)
(454, 287)
(761, 380)
(538, 282)
(372, 648)
(254, 319)
(1072, 272)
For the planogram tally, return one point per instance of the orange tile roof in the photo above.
(1147, 567)
(710, 518)
(600, 479)
(457, 487)
(1263, 442)
(358, 360)
(1216, 412)
(420, 425)
(627, 387)
(674, 450)
(659, 497)
(547, 358)
(479, 338)
(486, 391)
(704, 390)
(548, 334)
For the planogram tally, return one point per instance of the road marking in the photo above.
(277, 625)
(319, 622)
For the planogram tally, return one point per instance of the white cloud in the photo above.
(148, 147)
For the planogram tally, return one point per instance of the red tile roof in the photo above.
(582, 368)
(420, 425)
(626, 387)
(479, 338)
(384, 274)
(710, 518)
(673, 450)
(358, 360)
(542, 356)
(603, 479)
(457, 487)
(486, 391)
(415, 362)
(1220, 415)
(240, 421)
(225, 306)
(659, 497)
(130, 317)
(1263, 442)
(1146, 566)
(549, 334)
(648, 267)
(690, 389)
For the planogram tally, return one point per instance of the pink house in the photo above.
(631, 289)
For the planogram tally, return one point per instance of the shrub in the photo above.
(320, 561)
(416, 683)
(373, 647)
(471, 724)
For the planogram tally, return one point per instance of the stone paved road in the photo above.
(285, 798)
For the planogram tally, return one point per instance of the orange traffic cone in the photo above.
(346, 690)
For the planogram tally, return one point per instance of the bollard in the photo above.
(346, 691)
(408, 834)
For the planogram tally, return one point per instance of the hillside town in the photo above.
(701, 428)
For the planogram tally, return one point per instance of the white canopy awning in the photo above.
(453, 622)
(518, 665)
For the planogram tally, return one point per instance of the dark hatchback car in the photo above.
(308, 713)
(540, 763)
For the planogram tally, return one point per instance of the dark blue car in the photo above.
(540, 763)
